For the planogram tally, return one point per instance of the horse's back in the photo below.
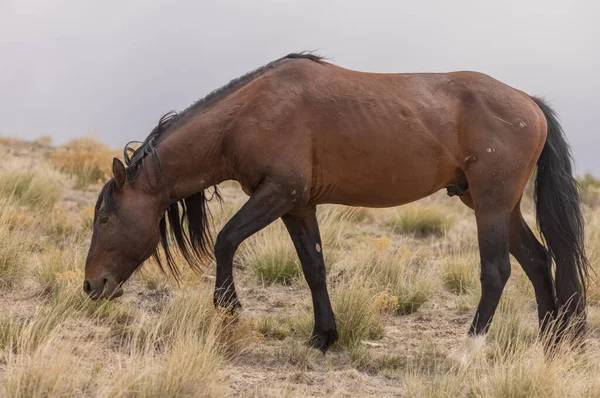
(383, 139)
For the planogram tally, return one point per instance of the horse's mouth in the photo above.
(118, 292)
(106, 290)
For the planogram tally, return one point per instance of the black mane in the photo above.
(185, 222)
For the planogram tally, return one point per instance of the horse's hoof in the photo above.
(323, 339)
(234, 307)
(470, 349)
(231, 303)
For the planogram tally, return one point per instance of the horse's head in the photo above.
(126, 233)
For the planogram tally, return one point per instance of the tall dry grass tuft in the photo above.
(589, 190)
(357, 315)
(365, 360)
(512, 328)
(275, 327)
(522, 371)
(43, 141)
(180, 351)
(398, 271)
(191, 312)
(421, 220)
(189, 368)
(15, 242)
(67, 299)
(271, 256)
(38, 190)
(9, 331)
(24, 336)
(50, 371)
(593, 252)
(63, 228)
(12, 259)
(24, 196)
(55, 268)
(460, 271)
(351, 214)
(88, 160)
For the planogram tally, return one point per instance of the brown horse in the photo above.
(299, 132)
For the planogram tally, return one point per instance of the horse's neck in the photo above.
(191, 160)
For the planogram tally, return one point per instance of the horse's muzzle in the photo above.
(102, 288)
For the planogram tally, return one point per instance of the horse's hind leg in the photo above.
(493, 237)
(304, 231)
(493, 221)
(535, 260)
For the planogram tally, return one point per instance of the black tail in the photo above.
(560, 221)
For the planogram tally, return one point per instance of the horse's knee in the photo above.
(494, 277)
(224, 244)
(504, 272)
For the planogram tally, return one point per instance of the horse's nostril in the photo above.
(87, 288)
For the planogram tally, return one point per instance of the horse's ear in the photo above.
(118, 169)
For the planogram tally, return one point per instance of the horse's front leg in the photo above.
(303, 228)
(267, 203)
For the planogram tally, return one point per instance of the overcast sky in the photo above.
(110, 68)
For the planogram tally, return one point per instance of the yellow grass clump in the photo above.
(50, 371)
(461, 271)
(421, 220)
(88, 160)
(37, 190)
(590, 190)
(398, 271)
(15, 241)
(357, 315)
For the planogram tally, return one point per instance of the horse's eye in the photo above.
(103, 219)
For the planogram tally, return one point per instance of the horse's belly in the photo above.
(383, 184)
(367, 196)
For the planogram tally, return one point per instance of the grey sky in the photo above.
(111, 68)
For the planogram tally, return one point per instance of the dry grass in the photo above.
(50, 371)
(176, 354)
(421, 220)
(356, 314)
(14, 243)
(33, 189)
(58, 273)
(460, 271)
(43, 141)
(593, 252)
(399, 271)
(88, 160)
(274, 327)
(11, 257)
(188, 369)
(590, 190)
(522, 372)
(402, 304)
